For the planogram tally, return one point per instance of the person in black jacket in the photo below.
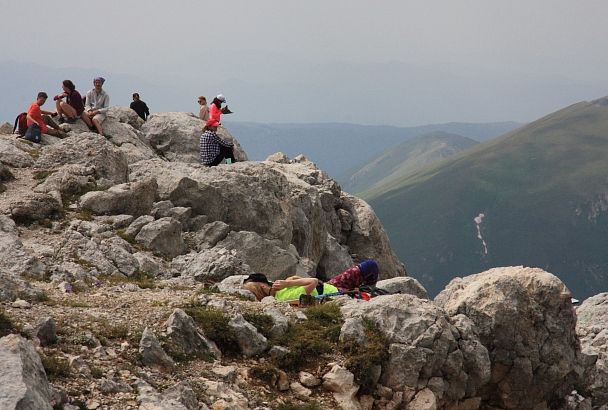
(140, 107)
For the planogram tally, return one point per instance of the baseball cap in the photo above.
(221, 98)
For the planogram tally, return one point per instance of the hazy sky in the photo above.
(388, 62)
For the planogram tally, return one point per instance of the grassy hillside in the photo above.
(397, 162)
(543, 190)
(337, 147)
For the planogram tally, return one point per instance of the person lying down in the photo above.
(287, 289)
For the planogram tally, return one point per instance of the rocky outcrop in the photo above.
(425, 350)
(592, 328)
(524, 317)
(23, 382)
(406, 285)
(134, 199)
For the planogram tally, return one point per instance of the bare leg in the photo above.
(58, 108)
(56, 133)
(66, 109)
(87, 120)
(97, 125)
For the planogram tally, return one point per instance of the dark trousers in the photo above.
(225, 152)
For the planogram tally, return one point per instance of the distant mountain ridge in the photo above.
(338, 147)
(537, 196)
(407, 157)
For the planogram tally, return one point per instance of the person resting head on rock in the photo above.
(364, 273)
(289, 289)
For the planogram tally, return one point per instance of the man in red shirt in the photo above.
(37, 124)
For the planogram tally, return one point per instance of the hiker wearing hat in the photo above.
(97, 103)
(215, 109)
(213, 149)
(364, 273)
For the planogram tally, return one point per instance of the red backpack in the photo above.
(20, 126)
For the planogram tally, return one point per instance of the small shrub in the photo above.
(42, 175)
(121, 233)
(214, 324)
(85, 215)
(262, 322)
(96, 372)
(111, 331)
(361, 358)
(143, 279)
(266, 373)
(6, 326)
(291, 406)
(6, 174)
(309, 340)
(56, 367)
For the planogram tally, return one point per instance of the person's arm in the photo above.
(89, 102)
(309, 284)
(225, 143)
(146, 110)
(105, 106)
(53, 113)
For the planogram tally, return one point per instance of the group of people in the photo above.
(70, 106)
(365, 273)
(92, 109)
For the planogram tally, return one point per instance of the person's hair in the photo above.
(135, 95)
(259, 289)
(69, 84)
(202, 98)
(42, 94)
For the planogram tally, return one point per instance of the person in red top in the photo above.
(37, 124)
(215, 109)
(365, 273)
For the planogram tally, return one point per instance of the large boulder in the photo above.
(210, 265)
(131, 198)
(188, 338)
(12, 156)
(37, 206)
(524, 317)
(23, 382)
(592, 329)
(16, 258)
(163, 237)
(403, 285)
(176, 136)
(293, 204)
(91, 150)
(424, 347)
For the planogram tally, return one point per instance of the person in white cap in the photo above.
(215, 109)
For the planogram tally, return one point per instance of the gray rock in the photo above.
(250, 341)
(90, 150)
(116, 221)
(13, 156)
(160, 209)
(133, 198)
(137, 224)
(280, 323)
(163, 237)
(261, 254)
(16, 258)
(6, 128)
(278, 352)
(147, 263)
(36, 207)
(176, 136)
(210, 234)
(188, 338)
(341, 383)
(524, 318)
(46, 331)
(180, 398)
(110, 386)
(210, 265)
(12, 287)
(335, 260)
(23, 382)
(278, 157)
(403, 284)
(120, 253)
(69, 180)
(152, 354)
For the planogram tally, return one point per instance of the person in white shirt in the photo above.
(96, 106)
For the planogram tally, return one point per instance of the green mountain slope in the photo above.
(397, 162)
(539, 194)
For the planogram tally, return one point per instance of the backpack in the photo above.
(20, 126)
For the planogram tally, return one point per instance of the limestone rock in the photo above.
(46, 331)
(13, 287)
(210, 234)
(261, 254)
(69, 180)
(36, 207)
(188, 338)
(335, 260)
(16, 258)
(90, 150)
(152, 354)
(6, 128)
(23, 382)
(524, 318)
(13, 156)
(250, 341)
(163, 237)
(178, 397)
(135, 226)
(135, 198)
(309, 380)
(403, 284)
(341, 383)
(210, 265)
(176, 136)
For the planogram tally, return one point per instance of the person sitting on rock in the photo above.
(96, 106)
(289, 289)
(38, 119)
(140, 107)
(73, 107)
(215, 109)
(364, 273)
(203, 113)
(213, 149)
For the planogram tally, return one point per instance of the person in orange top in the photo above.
(37, 124)
(215, 109)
